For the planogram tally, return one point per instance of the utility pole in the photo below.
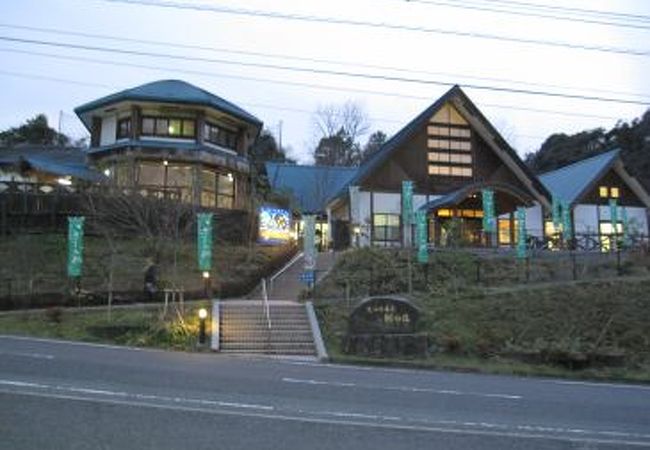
(280, 135)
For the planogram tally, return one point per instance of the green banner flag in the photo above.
(556, 212)
(204, 240)
(566, 221)
(521, 233)
(309, 243)
(489, 220)
(407, 202)
(421, 236)
(75, 245)
(626, 223)
(613, 214)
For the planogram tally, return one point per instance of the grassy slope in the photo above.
(39, 261)
(473, 327)
(141, 326)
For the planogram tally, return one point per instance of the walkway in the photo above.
(287, 285)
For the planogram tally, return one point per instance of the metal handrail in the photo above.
(267, 309)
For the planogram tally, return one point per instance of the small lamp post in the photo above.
(206, 284)
(203, 314)
(357, 234)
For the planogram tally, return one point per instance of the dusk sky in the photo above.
(420, 46)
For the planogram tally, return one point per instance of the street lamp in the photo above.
(206, 283)
(203, 314)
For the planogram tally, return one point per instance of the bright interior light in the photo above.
(64, 181)
(165, 162)
(357, 230)
(107, 172)
(203, 313)
(229, 176)
(206, 274)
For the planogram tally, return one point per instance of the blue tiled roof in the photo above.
(171, 91)
(309, 186)
(56, 161)
(570, 182)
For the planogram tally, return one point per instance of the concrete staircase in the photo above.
(244, 328)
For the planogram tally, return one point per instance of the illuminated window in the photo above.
(168, 127)
(609, 192)
(449, 144)
(385, 227)
(603, 191)
(217, 189)
(607, 234)
(444, 213)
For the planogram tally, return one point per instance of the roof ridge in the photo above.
(312, 166)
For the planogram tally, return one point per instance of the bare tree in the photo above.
(161, 223)
(350, 117)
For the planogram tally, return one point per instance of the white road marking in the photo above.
(81, 344)
(28, 355)
(349, 423)
(107, 393)
(402, 388)
(597, 384)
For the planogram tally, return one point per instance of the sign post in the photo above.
(407, 210)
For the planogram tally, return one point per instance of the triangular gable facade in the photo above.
(447, 147)
(595, 180)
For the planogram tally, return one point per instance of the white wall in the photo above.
(107, 136)
(535, 221)
(585, 219)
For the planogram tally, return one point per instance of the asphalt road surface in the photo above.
(63, 395)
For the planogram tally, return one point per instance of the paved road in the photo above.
(59, 395)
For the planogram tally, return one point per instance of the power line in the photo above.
(501, 10)
(397, 95)
(167, 44)
(592, 12)
(382, 25)
(246, 104)
(356, 75)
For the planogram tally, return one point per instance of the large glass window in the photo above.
(220, 136)
(179, 181)
(385, 227)
(168, 127)
(217, 189)
(608, 235)
(151, 174)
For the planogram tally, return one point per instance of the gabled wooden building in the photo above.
(587, 187)
(451, 152)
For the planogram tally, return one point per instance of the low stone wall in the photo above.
(388, 345)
